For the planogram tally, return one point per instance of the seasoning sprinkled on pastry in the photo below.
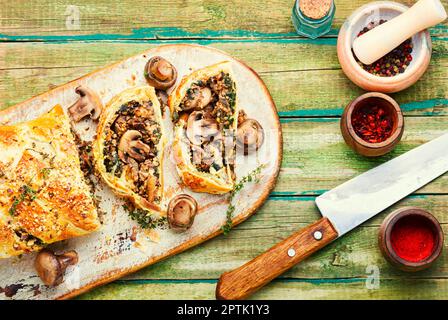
(44, 197)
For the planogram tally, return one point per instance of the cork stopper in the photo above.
(315, 9)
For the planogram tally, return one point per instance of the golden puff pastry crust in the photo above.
(43, 195)
(129, 147)
(205, 114)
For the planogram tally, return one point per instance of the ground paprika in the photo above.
(413, 238)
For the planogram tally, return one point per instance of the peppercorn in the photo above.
(393, 63)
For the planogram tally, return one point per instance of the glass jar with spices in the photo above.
(313, 18)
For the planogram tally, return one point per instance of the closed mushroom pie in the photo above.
(43, 195)
(129, 147)
(204, 110)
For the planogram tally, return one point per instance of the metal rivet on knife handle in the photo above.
(317, 235)
(291, 252)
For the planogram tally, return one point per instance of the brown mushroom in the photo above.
(88, 104)
(131, 145)
(242, 116)
(250, 136)
(201, 128)
(160, 73)
(51, 267)
(198, 99)
(182, 210)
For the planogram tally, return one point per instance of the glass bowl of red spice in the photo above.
(372, 124)
(411, 239)
(396, 71)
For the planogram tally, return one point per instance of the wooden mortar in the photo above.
(375, 11)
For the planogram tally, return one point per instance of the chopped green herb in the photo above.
(254, 175)
(144, 218)
(45, 172)
(216, 166)
(27, 193)
(14, 205)
(175, 116)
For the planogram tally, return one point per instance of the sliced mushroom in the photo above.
(242, 116)
(131, 145)
(229, 148)
(213, 155)
(250, 136)
(151, 187)
(88, 104)
(198, 99)
(132, 169)
(206, 157)
(51, 267)
(163, 98)
(182, 210)
(197, 154)
(160, 73)
(120, 125)
(201, 128)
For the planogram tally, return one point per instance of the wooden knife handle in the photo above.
(245, 280)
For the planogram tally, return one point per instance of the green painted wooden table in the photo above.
(42, 45)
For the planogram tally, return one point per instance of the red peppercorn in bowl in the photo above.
(411, 239)
(372, 124)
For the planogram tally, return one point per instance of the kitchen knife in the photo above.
(343, 208)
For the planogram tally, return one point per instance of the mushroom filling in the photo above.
(32, 242)
(209, 107)
(130, 148)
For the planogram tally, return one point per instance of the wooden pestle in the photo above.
(379, 41)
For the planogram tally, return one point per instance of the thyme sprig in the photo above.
(27, 193)
(144, 218)
(254, 175)
(45, 172)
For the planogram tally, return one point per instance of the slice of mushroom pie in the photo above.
(204, 110)
(129, 147)
(43, 195)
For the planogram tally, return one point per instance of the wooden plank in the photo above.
(347, 257)
(315, 155)
(406, 289)
(300, 86)
(101, 19)
(316, 158)
(338, 271)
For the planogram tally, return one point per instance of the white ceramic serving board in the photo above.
(121, 246)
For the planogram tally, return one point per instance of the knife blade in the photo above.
(343, 208)
(366, 195)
